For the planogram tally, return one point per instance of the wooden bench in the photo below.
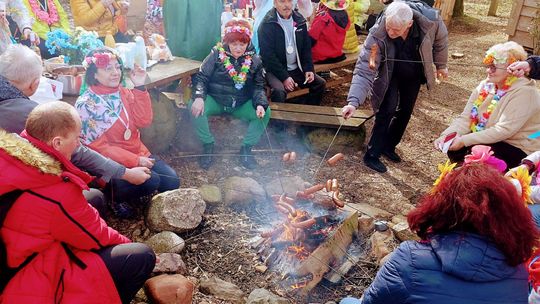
(302, 114)
(335, 80)
(318, 115)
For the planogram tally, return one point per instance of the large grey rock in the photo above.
(160, 134)
(170, 263)
(263, 296)
(318, 140)
(291, 184)
(222, 290)
(211, 194)
(178, 210)
(242, 190)
(166, 241)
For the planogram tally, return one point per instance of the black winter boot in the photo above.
(246, 158)
(207, 159)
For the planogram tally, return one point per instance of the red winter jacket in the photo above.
(52, 218)
(328, 34)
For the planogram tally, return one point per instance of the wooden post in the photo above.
(493, 8)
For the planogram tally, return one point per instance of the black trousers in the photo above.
(130, 265)
(511, 155)
(279, 94)
(393, 115)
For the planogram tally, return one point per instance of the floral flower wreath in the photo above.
(493, 57)
(237, 29)
(101, 60)
(483, 154)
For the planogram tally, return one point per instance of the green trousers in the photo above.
(245, 112)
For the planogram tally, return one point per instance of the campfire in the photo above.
(310, 238)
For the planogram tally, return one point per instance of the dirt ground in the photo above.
(220, 246)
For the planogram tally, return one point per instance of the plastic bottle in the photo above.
(140, 53)
(109, 40)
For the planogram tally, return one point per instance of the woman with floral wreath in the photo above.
(475, 238)
(111, 117)
(501, 112)
(48, 15)
(231, 81)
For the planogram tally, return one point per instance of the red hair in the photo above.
(478, 199)
(237, 36)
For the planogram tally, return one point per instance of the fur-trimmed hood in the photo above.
(25, 165)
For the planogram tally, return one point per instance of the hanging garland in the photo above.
(238, 78)
(48, 15)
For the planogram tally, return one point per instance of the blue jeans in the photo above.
(162, 178)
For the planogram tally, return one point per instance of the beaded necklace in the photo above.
(478, 122)
(238, 78)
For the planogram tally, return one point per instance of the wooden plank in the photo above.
(514, 16)
(166, 72)
(309, 109)
(531, 3)
(318, 120)
(523, 38)
(524, 24)
(529, 11)
(351, 59)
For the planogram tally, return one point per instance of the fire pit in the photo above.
(309, 238)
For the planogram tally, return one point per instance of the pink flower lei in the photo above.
(50, 17)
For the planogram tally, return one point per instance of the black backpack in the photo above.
(6, 273)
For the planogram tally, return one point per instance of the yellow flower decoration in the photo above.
(444, 169)
(524, 179)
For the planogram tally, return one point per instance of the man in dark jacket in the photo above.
(20, 72)
(286, 53)
(407, 45)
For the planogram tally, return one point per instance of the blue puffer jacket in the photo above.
(452, 268)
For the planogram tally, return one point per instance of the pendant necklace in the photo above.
(127, 132)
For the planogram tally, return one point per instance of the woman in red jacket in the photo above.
(68, 252)
(111, 117)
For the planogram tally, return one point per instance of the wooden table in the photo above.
(166, 72)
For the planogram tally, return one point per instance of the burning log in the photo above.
(273, 233)
(332, 249)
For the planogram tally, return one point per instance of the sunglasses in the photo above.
(493, 68)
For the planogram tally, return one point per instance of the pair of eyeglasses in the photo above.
(493, 68)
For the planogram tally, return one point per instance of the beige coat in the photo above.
(516, 116)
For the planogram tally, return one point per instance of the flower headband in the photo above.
(493, 57)
(101, 60)
(237, 29)
(483, 154)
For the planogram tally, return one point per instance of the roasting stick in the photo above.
(273, 152)
(328, 149)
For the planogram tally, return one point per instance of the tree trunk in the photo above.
(493, 8)
(458, 9)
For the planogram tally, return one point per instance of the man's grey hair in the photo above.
(20, 65)
(398, 13)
